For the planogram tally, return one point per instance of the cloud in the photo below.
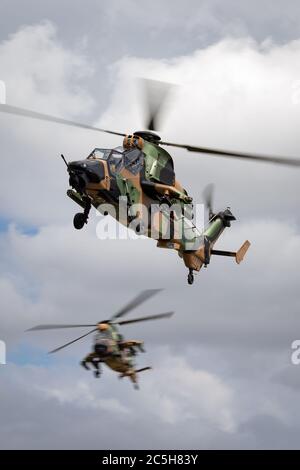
(191, 393)
(224, 346)
(236, 94)
(42, 75)
(168, 404)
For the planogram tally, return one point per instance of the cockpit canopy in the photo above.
(119, 158)
(104, 154)
(157, 162)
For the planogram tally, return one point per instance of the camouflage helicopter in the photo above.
(109, 346)
(141, 172)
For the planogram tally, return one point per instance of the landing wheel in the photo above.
(97, 374)
(79, 220)
(191, 277)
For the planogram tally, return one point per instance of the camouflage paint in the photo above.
(155, 159)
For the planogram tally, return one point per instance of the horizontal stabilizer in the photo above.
(239, 255)
(142, 370)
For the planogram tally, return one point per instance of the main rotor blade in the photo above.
(233, 154)
(5, 108)
(56, 327)
(155, 95)
(150, 317)
(142, 297)
(71, 342)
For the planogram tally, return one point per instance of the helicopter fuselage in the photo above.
(116, 353)
(136, 184)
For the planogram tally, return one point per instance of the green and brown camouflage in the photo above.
(109, 346)
(142, 173)
(110, 349)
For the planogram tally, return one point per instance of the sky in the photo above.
(222, 373)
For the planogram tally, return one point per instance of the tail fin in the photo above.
(131, 374)
(242, 251)
(239, 255)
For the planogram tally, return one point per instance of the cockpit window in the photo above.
(133, 160)
(119, 158)
(100, 153)
(115, 161)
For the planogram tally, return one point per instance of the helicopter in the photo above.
(140, 173)
(109, 346)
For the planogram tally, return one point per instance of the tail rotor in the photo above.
(208, 196)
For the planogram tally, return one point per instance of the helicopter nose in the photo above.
(84, 172)
(100, 349)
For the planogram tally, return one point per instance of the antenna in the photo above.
(62, 156)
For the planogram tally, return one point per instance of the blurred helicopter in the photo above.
(109, 346)
(142, 172)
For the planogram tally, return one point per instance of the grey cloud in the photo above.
(108, 32)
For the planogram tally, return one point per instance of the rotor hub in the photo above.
(149, 136)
